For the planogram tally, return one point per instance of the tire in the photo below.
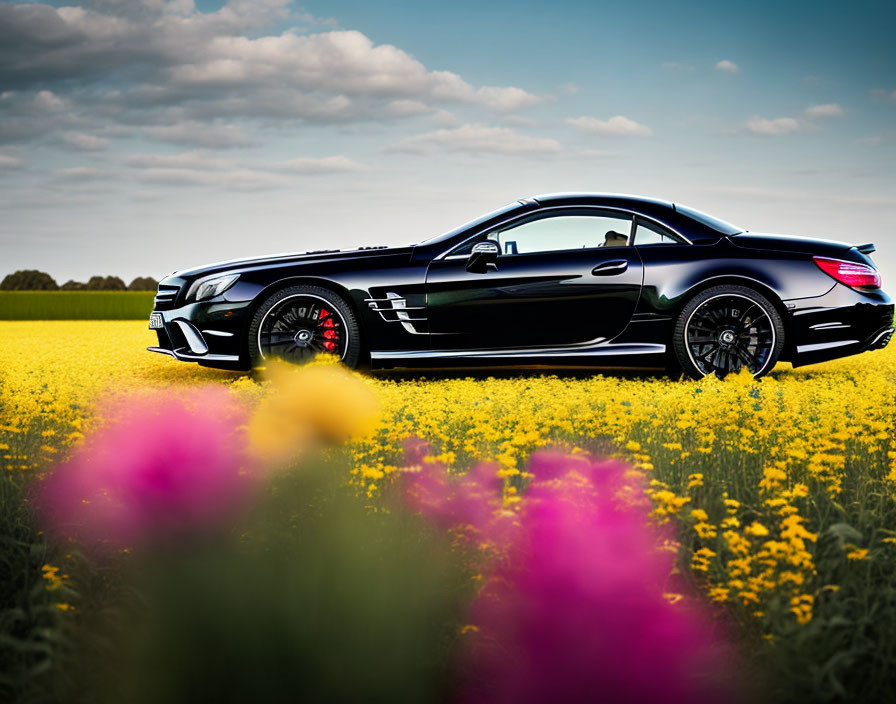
(299, 322)
(725, 328)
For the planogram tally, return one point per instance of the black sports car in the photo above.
(560, 280)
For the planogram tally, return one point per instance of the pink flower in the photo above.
(162, 466)
(574, 609)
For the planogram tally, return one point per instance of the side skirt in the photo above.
(542, 354)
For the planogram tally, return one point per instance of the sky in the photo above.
(142, 136)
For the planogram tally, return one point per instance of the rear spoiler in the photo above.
(865, 248)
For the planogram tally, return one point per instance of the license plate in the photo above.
(155, 321)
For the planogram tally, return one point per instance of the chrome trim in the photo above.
(194, 339)
(397, 305)
(398, 302)
(829, 326)
(801, 349)
(520, 216)
(601, 350)
(185, 357)
(217, 333)
(881, 334)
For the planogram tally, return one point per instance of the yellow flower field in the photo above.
(756, 474)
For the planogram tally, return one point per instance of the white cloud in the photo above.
(884, 95)
(84, 142)
(826, 110)
(618, 126)
(773, 128)
(476, 139)
(519, 121)
(200, 168)
(80, 174)
(198, 134)
(505, 99)
(210, 66)
(48, 101)
(727, 66)
(406, 108)
(445, 118)
(10, 162)
(231, 179)
(323, 165)
(184, 160)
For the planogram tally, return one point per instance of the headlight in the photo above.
(211, 286)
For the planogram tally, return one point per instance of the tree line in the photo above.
(33, 280)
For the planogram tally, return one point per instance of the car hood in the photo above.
(236, 265)
(795, 243)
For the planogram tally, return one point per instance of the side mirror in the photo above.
(484, 254)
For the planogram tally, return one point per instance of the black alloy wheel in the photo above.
(299, 322)
(725, 329)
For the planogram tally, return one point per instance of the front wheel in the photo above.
(726, 328)
(299, 322)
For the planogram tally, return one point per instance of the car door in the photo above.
(561, 276)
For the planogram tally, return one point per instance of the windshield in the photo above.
(473, 223)
(726, 228)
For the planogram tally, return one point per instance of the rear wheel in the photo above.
(299, 322)
(726, 328)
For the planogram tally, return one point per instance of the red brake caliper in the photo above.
(329, 334)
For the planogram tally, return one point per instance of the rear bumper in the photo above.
(843, 322)
(210, 333)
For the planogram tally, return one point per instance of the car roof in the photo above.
(619, 199)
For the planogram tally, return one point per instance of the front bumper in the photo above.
(843, 322)
(210, 333)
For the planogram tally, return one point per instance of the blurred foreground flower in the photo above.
(317, 401)
(574, 608)
(162, 466)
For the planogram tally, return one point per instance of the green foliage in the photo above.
(314, 597)
(75, 305)
(28, 280)
(33, 629)
(105, 283)
(320, 600)
(143, 283)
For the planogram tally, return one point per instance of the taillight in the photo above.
(849, 273)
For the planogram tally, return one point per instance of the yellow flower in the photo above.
(719, 593)
(313, 401)
(801, 607)
(756, 529)
(856, 553)
(53, 578)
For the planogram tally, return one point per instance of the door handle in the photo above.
(610, 268)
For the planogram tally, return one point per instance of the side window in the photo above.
(647, 233)
(559, 233)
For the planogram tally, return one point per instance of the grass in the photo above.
(75, 305)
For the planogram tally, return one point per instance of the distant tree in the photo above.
(143, 283)
(28, 280)
(71, 285)
(105, 283)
